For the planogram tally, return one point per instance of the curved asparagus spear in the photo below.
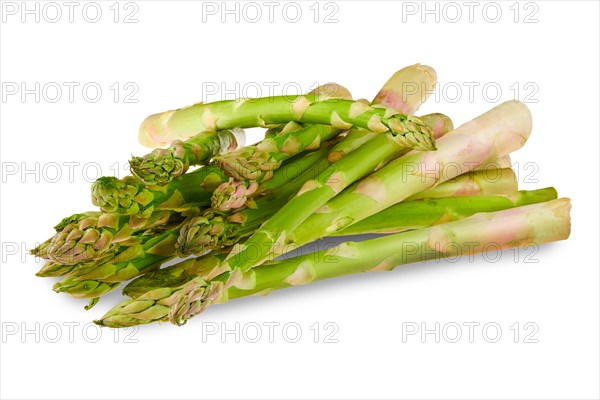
(191, 293)
(257, 163)
(492, 135)
(98, 233)
(418, 214)
(245, 113)
(162, 165)
(131, 197)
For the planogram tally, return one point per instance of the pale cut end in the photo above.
(512, 122)
(239, 136)
(553, 222)
(408, 88)
(331, 90)
(153, 130)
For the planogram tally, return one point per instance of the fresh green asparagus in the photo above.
(159, 129)
(418, 214)
(161, 166)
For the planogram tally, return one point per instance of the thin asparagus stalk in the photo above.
(245, 113)
(492, 135)
(418, 214)
(257, 163)
(129, 196)
(161, 166)
(191, 292)
(91, 237)
(484, 182)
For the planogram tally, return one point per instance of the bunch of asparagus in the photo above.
(328, 166)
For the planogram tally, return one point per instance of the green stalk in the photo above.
(185, 294)
(500, 131)
(483, 182)
(418, 214)
(246, 113)
(162, 165)
(131, 197)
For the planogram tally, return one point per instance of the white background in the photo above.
(168, 55)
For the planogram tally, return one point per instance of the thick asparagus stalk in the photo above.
(423, 213)
(91, 237)
(185, 294)
(498, 132)
(161, 166)
(131, 197)
(181, 124)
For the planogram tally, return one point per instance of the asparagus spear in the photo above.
(188, 292)
(245, 113)
(492, 135)
(423, 213)
(162, 165)
(257, 163)
(89, 238)
(131, 197)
